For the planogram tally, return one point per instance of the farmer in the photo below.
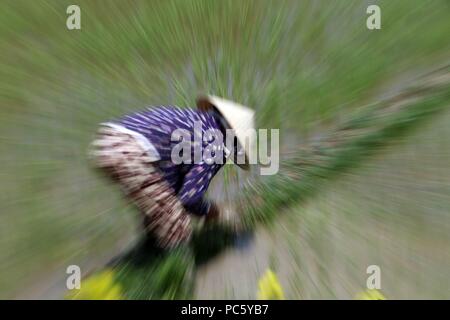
(137, 151)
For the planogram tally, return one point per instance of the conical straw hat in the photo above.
(239, 118)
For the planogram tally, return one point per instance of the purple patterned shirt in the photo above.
(189, 180)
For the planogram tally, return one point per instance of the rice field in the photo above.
(392, 212)
(305, 67)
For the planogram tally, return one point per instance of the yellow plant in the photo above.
(269, 288)
(370, 294)
(100, 286)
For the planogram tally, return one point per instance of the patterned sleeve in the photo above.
(195, 184)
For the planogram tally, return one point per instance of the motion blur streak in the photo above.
(309, 68)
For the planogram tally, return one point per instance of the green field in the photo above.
(305, 67)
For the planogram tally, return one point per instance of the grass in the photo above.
(328, 162)
(265, 201)
(302, 65)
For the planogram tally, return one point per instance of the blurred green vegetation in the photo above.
(302, 65)
(346, 149)
(392, 211)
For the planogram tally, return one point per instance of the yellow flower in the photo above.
(100, 286)
(370, 294)
(270, 287)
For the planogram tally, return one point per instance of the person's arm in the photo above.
(195, 184)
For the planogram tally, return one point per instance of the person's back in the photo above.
(158, 125)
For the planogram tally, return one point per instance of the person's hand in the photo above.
(213, 214)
